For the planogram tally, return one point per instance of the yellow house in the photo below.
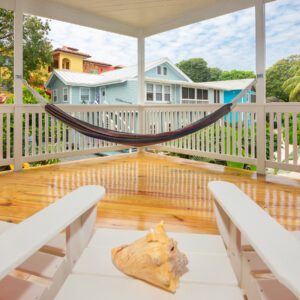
(68, 58)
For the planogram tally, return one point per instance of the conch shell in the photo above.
(154, 258)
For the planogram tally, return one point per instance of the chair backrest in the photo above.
(26, 238)
(277, 247)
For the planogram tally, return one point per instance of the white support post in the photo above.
(18, 75)
(260, 85)
(141, 82)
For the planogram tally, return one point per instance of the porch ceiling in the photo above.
(131, 17)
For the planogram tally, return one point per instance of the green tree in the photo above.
(292, 87)
(236, 74)
(278, 74)
(37, 47)
(215, 74)
(195, 68)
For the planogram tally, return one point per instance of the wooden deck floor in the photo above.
(143, 189)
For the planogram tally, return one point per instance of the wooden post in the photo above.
(261, 85)
(18, 75)
(141, 83)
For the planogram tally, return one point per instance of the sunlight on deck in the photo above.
(143, 189)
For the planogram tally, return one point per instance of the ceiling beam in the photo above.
(56, 11)
(214, 9)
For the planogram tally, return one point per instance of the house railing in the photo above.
(233, 138)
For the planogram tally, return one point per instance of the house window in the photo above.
(165, 70)
(216, 96)
(84, 95)
(185, 93)
(65, 94)
(167, 93)
(54, 96)
(159, 70)
(66, 64)
(158, 92)
(194, 94)
(202, 94)
(150, 95)
(191, 93)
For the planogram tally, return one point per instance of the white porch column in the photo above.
(261, 84)
(141, 83)
(141, 70)
(18, 75)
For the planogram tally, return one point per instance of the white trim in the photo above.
(63, 99)
(80, 94)
(163, 101)
(167, 60)
(195, 99)
(71, 95)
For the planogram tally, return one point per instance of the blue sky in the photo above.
(227, 42)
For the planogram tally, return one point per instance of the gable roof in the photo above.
(114, 76)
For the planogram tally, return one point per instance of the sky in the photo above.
(226, 42)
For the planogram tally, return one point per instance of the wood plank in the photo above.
(78, 287)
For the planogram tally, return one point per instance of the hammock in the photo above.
(132, 139)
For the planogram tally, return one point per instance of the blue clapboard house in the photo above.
(165, 83)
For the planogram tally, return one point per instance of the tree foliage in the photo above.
(292, 87)
(215, 74)
(36, 45)
(278, 74)
(196, 69)
(236, 74)
(28, 97)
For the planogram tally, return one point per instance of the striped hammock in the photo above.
(132, 139)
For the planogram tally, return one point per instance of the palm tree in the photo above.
(292, 87)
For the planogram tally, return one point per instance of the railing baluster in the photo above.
(233, 134)
(279, 140)
(40, 131)
(246, 134)
(228, 133)
(33, 134)
(295, 139)
(26, 135)
(2, 134)
(271, 143)
(240, 120)
(253, 135)
(217, 148)
(286, 137)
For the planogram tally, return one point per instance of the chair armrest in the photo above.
(277, 247)
(24, 239)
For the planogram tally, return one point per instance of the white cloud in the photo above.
(226, 42)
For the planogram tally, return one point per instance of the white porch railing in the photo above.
(44, 137)
(283, 136)
(233, 138)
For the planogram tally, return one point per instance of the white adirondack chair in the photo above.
(85, 270)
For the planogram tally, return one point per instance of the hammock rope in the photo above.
(133, 139)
